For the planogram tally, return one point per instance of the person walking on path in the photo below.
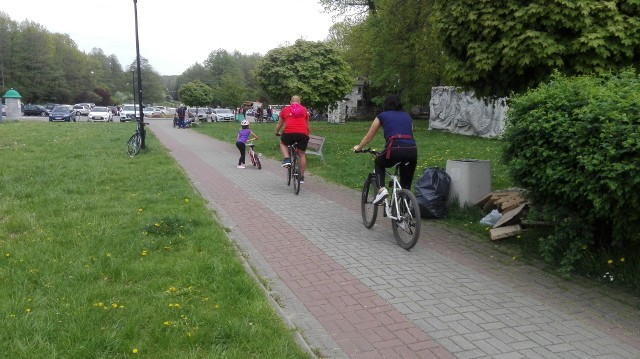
(400, 145)
(295, 120)
(244, 134)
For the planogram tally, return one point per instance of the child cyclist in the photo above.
(244, 134)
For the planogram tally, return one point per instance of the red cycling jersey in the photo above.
(296, 121)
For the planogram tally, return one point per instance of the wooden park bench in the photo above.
(314, 146)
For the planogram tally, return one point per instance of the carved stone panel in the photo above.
(463, 113)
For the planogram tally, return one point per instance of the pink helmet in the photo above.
(244, 123)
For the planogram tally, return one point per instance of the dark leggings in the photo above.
(242, 147)
(408, 158)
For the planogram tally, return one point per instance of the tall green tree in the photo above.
(313, 70)
(406, 55)
(152, 89)
(354, 9)
(195, 93)
(502, 46)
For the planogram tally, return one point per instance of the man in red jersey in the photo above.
(295, 120)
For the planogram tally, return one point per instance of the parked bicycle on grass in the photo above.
(136, 141)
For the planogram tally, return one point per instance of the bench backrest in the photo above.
(315, 142)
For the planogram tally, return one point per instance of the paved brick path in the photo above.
(353, 293)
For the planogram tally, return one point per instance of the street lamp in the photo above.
(133, 85)
(143, 133)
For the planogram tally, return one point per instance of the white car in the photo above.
(101, 113)
(150, 111)
(129, 113)
(222, 114)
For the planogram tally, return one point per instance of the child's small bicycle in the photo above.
(255, 157)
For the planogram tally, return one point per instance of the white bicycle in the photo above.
(400, 206)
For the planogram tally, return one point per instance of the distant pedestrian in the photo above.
(181, 112)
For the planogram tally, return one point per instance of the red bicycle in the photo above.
(254, 156)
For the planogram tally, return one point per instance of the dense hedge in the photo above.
(574, 145)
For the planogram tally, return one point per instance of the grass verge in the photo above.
(106, 256)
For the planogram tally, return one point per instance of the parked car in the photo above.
(161, 109)
(100, 113)
(63, 113)
(129, 113)
(81, 110)
(201, 113)
(4, 110)
(150, 111)
(51, 106)
(34, 110)
(222, 114)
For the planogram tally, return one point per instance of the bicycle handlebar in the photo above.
(368, 150)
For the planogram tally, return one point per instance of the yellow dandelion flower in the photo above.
(28, 310)
(157, 224)
(217, 306)
(167, 323)
(622, 259)
(584, 246)
(186, 200)
(610, 261)
(7, 255)
(114, 305)
(514, 258)
(144, 253)
(171, 290)
(135, 351)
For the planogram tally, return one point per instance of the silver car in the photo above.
(222, 114)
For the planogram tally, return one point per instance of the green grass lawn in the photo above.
(106, 256)
(344, 167)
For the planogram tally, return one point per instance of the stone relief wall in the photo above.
(461, 112)
(338, 114)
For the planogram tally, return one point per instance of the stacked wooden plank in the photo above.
(512, 206)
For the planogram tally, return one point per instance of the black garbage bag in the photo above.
(432, 189)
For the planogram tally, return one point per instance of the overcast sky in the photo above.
(176, 34)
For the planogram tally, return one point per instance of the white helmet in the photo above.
(244, 123)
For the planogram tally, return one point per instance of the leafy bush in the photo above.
(574, 145)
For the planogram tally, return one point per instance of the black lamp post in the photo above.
(143, 133)
(133, 86)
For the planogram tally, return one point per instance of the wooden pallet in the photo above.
(512, 206)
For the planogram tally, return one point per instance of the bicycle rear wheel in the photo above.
(407, 227)
(134, 143)
(369, 210)
(295, 168)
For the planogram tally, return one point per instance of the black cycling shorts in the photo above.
(289, 138)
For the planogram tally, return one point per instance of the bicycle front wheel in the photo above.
(133, 145)
(406, 227)
(369, 210)
(258, 164)
(295, 168)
